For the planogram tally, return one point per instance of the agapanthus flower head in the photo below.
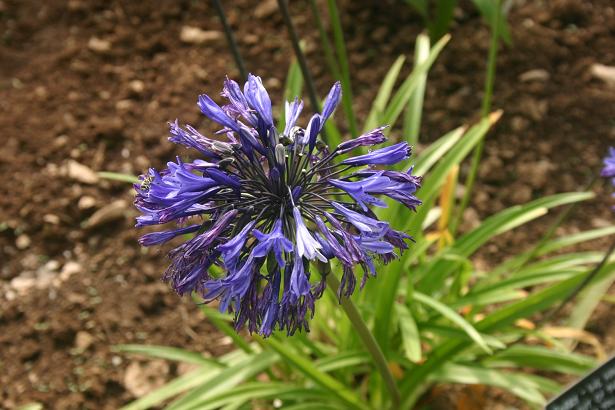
(609, 164)
(609, 167)
(262, 205)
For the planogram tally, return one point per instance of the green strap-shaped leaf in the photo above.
(428, 327)
(247, 392)
(435, 179)
(342, 360)
(560, 268)
(552, 246)
(589, 298)
(226, 380)
(539, 357)
(175, 387)
(218, 320)
(411, 339)
(414, 110)
(518, 384)
(384, 93)
(306, 367)
(504, 221)
(436, 150)
(454, 317)
(403, 94)
(169, 353)
(413, 385)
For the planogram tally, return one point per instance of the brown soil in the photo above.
(95, 81)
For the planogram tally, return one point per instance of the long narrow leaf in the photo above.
(539, 357)
(306, 367)
(343, 360)
(402, 96)
(432, 182)
(173, 388)
(214, 316)
(506, 220)
(453, 317)
(384, 93)
(168, 353)
(226, 380)
(588, 300)
(414, 110)
(413, 385)
(434, 152)
(258, 390)
(411, 340)
(517, 384)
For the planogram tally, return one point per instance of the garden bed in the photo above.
(93, 83)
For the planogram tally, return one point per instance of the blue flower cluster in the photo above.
(609, 167)
(262, 204)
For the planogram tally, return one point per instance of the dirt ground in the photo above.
(88, 85)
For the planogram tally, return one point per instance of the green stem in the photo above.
(366, 337)
(324, 40)
(230, 38)
(493, 53)
(486, 107)
(342, 56)
(294, 38)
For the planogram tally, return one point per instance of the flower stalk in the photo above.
(309, 82)
(370, 343)
(485, 109)
(230, 38)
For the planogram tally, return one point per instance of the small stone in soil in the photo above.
(265, 9)
(534, 75)
(112, 212)
(98, 45)
(81, 173)
(195, 35)
(84, 340)
(23, 241)
(51, 219)
(137, 86)
(141, 379)
(604, 72)
(86, 202)
(69, 269)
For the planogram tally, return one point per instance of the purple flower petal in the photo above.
(157, 238)
(258, 99)
(292, 111)
(362, 222)
(273, 241)
(383, 156)
(306, 245)
(332, 100)
(373, 137)
(215, 113)
(609, 164)
(205, 239)
(231, 250)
